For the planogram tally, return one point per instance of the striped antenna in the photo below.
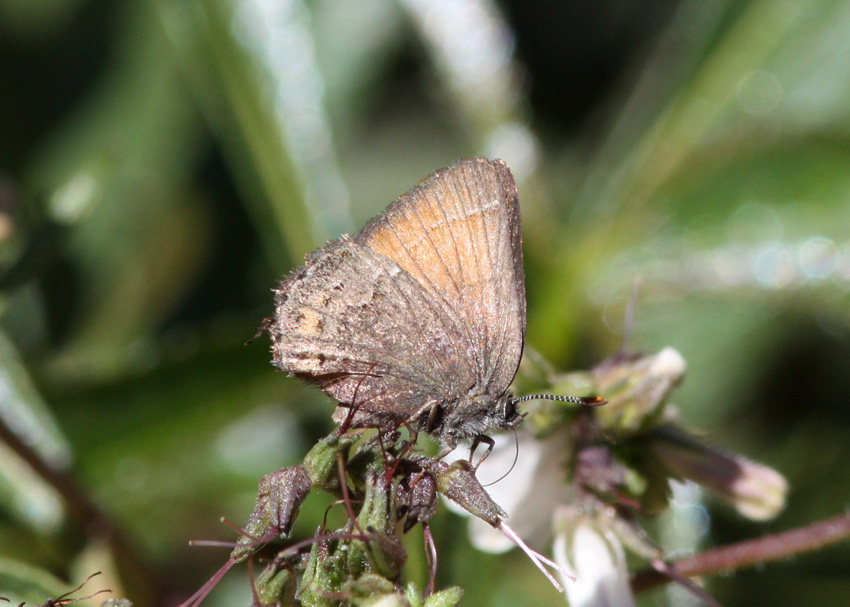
(592, 401)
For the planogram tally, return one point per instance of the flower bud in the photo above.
(636, 388)
(756, 491)
(279, 497)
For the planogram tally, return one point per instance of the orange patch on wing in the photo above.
(443, 247)
(311, 322)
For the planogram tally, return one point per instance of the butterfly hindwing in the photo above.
(379, 343)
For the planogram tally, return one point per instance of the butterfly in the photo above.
(419, 318)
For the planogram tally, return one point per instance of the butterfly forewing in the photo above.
(458, 235)
(422, 307)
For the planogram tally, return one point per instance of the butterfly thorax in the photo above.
(472, 416)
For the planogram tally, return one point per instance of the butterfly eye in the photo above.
(510, 410)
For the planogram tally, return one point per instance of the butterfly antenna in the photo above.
(592, 401)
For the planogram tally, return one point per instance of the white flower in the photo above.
(535, 492)
(594, 555)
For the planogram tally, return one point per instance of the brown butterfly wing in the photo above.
(421, 308)
(458, 234)
(356, 324)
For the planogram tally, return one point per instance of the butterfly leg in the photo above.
(354, 407)
(481, 438)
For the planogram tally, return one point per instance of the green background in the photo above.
(163, 163)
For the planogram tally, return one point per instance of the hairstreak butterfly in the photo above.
(419, 318)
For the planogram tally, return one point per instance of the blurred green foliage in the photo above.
(163, 163)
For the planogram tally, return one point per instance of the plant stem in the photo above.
(751, 552)
(90, 518)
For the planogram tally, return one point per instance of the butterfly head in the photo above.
(473, 416)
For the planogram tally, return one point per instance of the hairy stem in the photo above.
(751, 552)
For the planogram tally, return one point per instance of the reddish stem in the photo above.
(82, 508)
(751, 552)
